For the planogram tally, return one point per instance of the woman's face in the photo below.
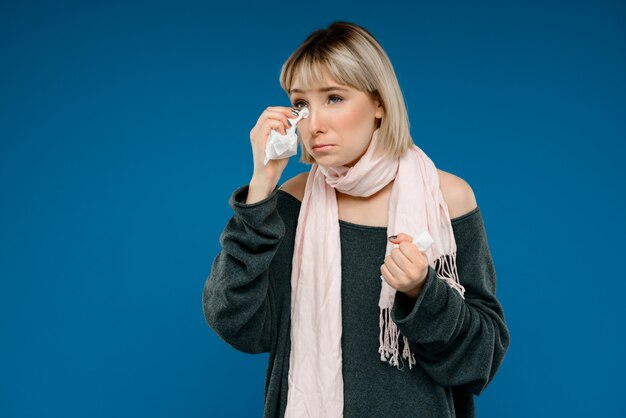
(340, 117)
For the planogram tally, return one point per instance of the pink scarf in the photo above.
(416, 204)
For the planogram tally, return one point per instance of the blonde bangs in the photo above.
(307, 71)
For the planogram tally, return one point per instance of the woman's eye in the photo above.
(297, 103)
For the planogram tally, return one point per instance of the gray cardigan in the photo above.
(458, 344)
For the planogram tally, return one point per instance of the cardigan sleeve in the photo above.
(237, 297)
(459, 342)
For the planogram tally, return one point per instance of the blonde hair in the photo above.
(353, 57)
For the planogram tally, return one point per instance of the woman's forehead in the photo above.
(319, 77)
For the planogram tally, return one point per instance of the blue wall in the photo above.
(125, 128)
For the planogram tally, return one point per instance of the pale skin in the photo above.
(346, 118)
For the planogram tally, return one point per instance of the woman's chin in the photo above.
(328, 161)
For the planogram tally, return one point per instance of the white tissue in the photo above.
(423, 241)
(284, 146)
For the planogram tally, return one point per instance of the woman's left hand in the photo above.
(406, 268)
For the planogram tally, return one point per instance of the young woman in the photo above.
(323, 272)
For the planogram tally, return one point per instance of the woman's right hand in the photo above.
(274, 117)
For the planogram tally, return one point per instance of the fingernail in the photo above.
(393, 237)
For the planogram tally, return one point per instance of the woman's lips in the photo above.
(322, 148)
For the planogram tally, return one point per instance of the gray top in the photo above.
(458, 344)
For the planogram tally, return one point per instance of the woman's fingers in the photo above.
(396, 267)
(404, 266)
(278, 117)
(273, 117)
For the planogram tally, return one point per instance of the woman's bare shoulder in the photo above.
(295, 185)
(457, 194)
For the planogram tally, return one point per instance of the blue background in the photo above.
(125, 128)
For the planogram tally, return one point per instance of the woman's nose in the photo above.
(315, 121)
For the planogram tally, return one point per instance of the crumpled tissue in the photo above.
(284, 146)
(423, 241)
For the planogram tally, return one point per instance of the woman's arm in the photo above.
(238, 298)
(459, 342)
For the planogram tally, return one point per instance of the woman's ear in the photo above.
(380, 112)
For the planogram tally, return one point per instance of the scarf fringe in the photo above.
(390, 334)
(447, 271)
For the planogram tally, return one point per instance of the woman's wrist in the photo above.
(259, 190)
(414, 293)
